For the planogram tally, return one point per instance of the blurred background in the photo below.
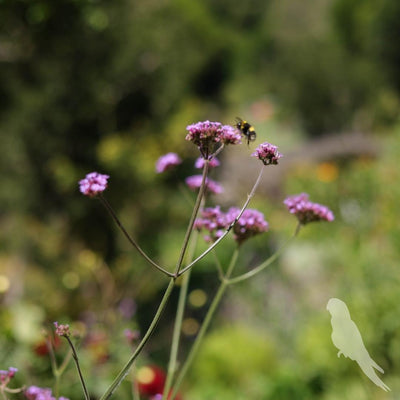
(109, 86)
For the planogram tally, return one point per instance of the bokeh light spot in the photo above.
(71, 280)
(197, 298)
(327, 172)
(190, 326)
(145, 375)
(4, 284)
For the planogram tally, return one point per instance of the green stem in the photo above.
(205, 325)
(75, 356)
(266, 263)
(189, 229)
(124, 371)
(178, 321)
(249, 197)
(130, 239)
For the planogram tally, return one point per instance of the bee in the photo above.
(246, 129)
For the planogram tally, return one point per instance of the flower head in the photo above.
(307, 211)
(215, 221)
(214, 162)
(6, 376)
(167, 161)
(37, 393)
(267, 153)
(250, 223)
(93, 184)
(208, 136)
(194, 182)
(62, 330)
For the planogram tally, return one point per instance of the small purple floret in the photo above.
(214, 162)
(37, 393)
(216, 222)
(267, 153)
(194, 183)
(62, 330)
(93, 184)
(307, 211)
(167, 161)
(208, 136)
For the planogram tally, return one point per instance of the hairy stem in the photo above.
(205, 325)
(75, 356)
(124, 371)
(266, 263)
(249, 197)
(130, 239)
(196, 207)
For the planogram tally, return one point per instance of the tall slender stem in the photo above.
(122, 374)
(130, 239)
(266, 263)
(124, 371)
(249, 197)
(75, 356)
(178, 320)
(205, 325)
(193, 217)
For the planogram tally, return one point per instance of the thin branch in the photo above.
(266, 263)
(130, 239)
(249, 197)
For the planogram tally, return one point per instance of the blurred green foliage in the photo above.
(110, 86)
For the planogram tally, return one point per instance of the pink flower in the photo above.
(307, 211)
(208, 136)
(167, 161)
(214, 162)
(62, 330)
(267, 153)
(37, 393)
(194, 182)
(93, 184)
(216, 222)
(250, 223)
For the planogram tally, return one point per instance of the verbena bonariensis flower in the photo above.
(208, 136)
(6, 376)
(194, 182)
(93, 184)
(307, 211)
(167, 161)
(62, 330)
(215, 221)
(250, 223)
(214, 162)
(37, 393)
(267, 153)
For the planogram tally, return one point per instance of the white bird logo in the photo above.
(347, 338)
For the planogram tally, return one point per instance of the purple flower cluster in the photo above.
(167, 161)
(62, 330)
(194, 182)
(214, 162)
(207, 135)
(250, 223)
(307, 211)
(6, 376)
(37, 393)
(267, 153)
(215, 221)
(93, 184)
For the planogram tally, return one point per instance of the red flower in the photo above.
(150, 381)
